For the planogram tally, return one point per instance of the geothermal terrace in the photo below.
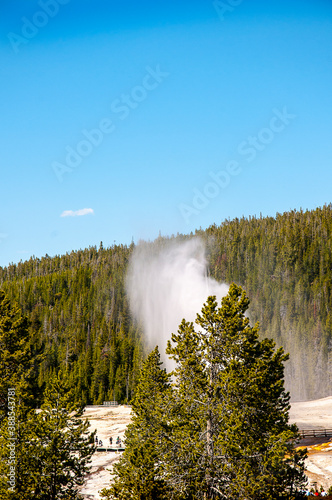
(308, 415)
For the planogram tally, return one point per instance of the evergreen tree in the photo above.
(231, 421)
(15, 355)
(53, 449)
(222, 431)
(138, 475)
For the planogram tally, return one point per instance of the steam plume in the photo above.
(167, 284)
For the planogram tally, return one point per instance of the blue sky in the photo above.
(120, 120)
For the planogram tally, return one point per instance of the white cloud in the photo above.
(75, 213)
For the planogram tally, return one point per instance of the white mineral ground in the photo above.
(316, 414)
(112, 422)
(109, 422)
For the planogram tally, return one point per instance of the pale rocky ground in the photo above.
(109, 422)
(316, 415)
(112, 421)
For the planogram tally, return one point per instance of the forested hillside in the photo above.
(285, 265)
(78, 308)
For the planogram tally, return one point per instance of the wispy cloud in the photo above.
(75, 213)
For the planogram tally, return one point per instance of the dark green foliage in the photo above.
(13, 348)
(79, 315)
(221, 431)
(46, 452)
(53, 449)
(18, 357)
(60, 444)
(285, 265)
(79, 312)
(230, 425)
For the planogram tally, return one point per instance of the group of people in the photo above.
(117, 442)
(99, 442)
(319, 494)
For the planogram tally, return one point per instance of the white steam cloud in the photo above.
(168, 284)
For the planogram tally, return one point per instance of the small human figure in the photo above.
(111, 441)
(100, 442)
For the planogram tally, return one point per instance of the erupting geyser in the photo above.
(166, 283)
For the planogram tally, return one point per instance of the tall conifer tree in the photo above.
(53, 449)
(18, 357)
(15, 355)
(231, 428)
(222, 432)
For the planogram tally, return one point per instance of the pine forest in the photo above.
(81, 326)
